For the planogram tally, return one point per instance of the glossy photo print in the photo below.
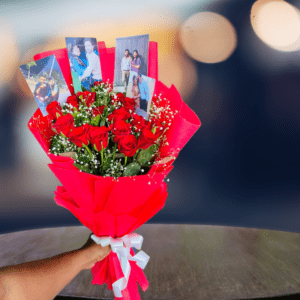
(46, 82)
(141, 89)
(84, 62)
(131, 54)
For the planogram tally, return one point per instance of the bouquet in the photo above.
(112, 162)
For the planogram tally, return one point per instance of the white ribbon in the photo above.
(123, 253)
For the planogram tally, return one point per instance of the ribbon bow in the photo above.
(123, 253)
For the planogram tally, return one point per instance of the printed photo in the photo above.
(131, 55)
(46, 81)
(84, 62)
(141, 89)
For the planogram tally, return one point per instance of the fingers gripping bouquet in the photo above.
(112, 163)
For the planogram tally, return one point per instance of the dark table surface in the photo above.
(186, 261)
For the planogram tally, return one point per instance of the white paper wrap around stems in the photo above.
(123, 253)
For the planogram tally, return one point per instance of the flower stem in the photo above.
(101, 158)
(135, 155)
(88, 150)
(115, 148)
(125, 160)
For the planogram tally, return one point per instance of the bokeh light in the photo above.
(208, 37)
(277, 24)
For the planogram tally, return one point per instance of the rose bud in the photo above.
(96, 83)
(120, 96)
(78, 135)
(98, 136)
(146, 139)
(64, 124)
(54, 110)
(128, 103)
(88, 97)
(73, 101)
(120, 128)
(159, 128)
(98, 110)
(138, 122)
(128, 145)
(119, 114)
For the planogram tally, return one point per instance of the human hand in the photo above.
(93, 253)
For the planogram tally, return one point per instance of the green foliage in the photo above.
(107, 162)
(132, 169)
(145, 156)
(30, 64)
(61, 144)
(95, 121)
(83, 168)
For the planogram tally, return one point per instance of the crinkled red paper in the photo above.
(110, 207)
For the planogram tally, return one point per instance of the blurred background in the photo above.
(237, 65)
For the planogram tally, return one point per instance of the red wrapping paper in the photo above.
(106, 206)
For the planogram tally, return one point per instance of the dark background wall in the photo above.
(241, 168)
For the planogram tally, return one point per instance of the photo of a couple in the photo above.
(129, 63)
(84, 62)
(46, 82)
(141, 89)
(46, 92)
(131, 55)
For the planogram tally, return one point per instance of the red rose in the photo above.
(78, 135)
(98, 110)
(138, 122)
(159, 128)
(119, 114)
(120, 96)
(146, 139)
(128, 103)
(97, 82)
(64, 124)
(98, 136)
(87, 97)
(73, 101)
(79, 94)
(128, 145)
(54, 110)
(120, 128)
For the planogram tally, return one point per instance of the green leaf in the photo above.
(102, 123)
(145, 156)
(95, 121)
(92, 89)
(82, 167)
(132, 169)
(57, 115)
(83, 89)
(106, 162)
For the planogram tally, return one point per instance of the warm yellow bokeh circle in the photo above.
(208, 37)
(276, 23)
